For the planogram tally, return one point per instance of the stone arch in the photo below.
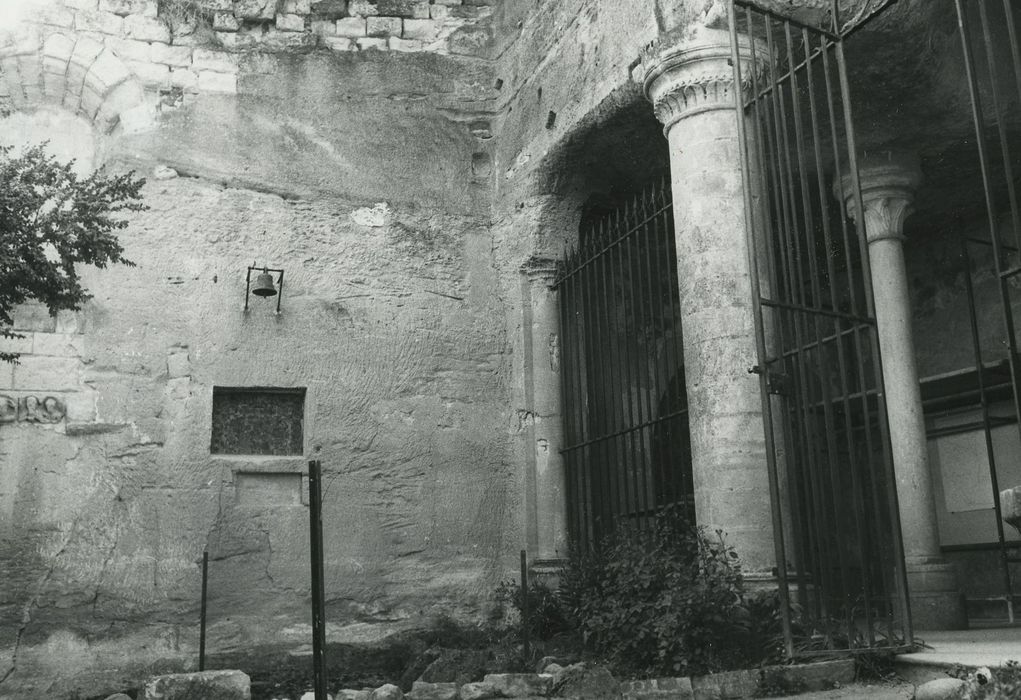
(76, 73)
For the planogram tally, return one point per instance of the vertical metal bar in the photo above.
(803, 386)
(643, 315)
(202, 611)
(898, 545)
(586, 502)
(829, 502)
(566, 394)
(618, 342)
(628, 298)
(834, 304)
(986, 426)
(760, 344)
(315, 500)
(679, 464)
(856, 283)
(526, 613)
(653, 467)
(991, 212)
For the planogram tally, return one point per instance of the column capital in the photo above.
(540, 270)
(888, 184)
(693, 74)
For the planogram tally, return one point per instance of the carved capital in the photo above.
(541, 270)
(888, 184)
(694, 74)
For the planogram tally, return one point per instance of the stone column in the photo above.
(690, 84)
(549, 484)
(888, 184)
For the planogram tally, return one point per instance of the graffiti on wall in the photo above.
(31, 409)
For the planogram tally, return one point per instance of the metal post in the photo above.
(202, 612)
(318, 599)
(525, 613)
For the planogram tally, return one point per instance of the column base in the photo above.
(936, 601)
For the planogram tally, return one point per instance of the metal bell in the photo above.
(264, 285)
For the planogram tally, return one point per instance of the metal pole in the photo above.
(525, 650)
(318, 602)
(202, 612)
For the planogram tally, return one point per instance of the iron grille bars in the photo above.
(994, 86)
(627, 448)
(835, 509)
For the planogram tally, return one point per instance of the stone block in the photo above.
(102, 22)
(276, 39)
(218, 5)
(86, 5)
(80, 406)
(256, 9)
(184, 79)
(58, 344)
(85, 51)
(17, 345)
(131, 49)
(222, 685)
(439, 12)
(39, 373)
(517, 685)
(479, 691)
(58, 47)
(589, 681)
(145, 8)
(418, 9)
(297, 7)
(421, 690)
(174, 56)
(178, 364)
(210, 81)
(383, 26)
(324, 27)
(225, 22)
(395, 43)
(290, 23)
(339, 43)
(353, 27)
(108, 70)
(146, 29)
(54, 16)
(33, 317)
(421, 29)
(448, 3)
(6, 375)
(329, 9)
(242, 39)
(729, 684)
(349, 694)
(219, 61)
(152, 74)
(387, 692)
(362, 8)
(940, 689)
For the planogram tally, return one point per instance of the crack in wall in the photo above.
(33, 602)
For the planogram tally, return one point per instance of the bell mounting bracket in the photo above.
(263, 268)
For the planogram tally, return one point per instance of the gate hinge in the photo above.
(776, 382)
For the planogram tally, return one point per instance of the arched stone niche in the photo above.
(66, 136)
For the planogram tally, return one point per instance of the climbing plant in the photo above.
(52, 220)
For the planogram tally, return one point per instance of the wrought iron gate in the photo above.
(839, 547)
(989, 33)
(627, 448)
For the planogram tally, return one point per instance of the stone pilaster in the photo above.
(690, 84)
(888, 184)
(543, 334)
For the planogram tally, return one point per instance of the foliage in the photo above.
(546, 615)
(667, 600)
(984, 684)
(777, 682)
(50, 221)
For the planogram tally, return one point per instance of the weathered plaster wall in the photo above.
(359, 174)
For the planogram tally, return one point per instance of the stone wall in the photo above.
(359, 174)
